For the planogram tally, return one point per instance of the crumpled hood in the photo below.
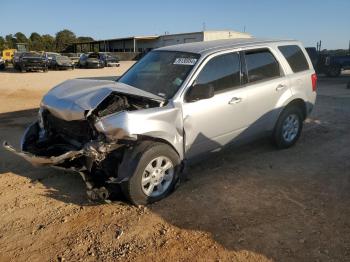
(72, 99)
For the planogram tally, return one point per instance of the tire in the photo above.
(141, 165)
(23, 69)
(334, 71)
(288, 127)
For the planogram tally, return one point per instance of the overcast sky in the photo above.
(308, 21)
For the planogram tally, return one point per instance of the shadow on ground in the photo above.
(287, 204)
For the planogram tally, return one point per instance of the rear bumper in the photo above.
(113, 64)
(65, 66)
(91, 65)
(34, 67)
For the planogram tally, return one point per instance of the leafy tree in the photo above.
(82, 39)
(10, 41)
(64, 39)
(21, 38)
(2, 44)
(35, 37)
(35, 42)
(62, 42)
(48, 43)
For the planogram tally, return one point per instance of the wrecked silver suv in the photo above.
(174, 104)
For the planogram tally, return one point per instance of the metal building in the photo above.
(142, 44)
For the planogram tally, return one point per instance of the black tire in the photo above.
(134, 163)
(278, 138)
(334, 71)
(23, 69)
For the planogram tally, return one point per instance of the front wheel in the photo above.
(153, 168)
(288, 128)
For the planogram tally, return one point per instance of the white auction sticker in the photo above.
(185, 61)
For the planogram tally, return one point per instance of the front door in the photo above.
(212, 123)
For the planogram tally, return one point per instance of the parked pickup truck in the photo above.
(333, 65)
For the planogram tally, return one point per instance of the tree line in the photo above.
(61, 42)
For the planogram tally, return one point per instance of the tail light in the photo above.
(314, 82)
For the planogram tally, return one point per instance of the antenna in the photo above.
(204, 26)
(244, 29)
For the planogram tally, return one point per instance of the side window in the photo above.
(295, 57)
(222, 72)
(261, 65)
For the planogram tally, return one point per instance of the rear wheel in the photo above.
(334, 71)
(154, 171)
(288, 128)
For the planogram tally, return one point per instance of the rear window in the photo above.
(295, 57)
(261, 65)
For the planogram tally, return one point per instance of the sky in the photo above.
(308, 21)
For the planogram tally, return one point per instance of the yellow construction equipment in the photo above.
(7, 55)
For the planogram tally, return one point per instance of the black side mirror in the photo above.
(199, 92)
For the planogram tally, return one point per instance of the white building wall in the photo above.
(216, 35)
(166, 40)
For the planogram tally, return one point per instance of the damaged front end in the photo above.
(90, 136)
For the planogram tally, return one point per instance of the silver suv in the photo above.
(175, 104)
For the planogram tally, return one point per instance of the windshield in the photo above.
(63, 58)
(31, 54)
(160, 72)
(94, 55)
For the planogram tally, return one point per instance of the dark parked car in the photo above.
(58, 62)
(109, 60)
(92, 60)
(74, 57)
(32, 61)
(2, 64)
(15, 60)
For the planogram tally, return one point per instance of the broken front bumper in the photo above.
(41, 160)
(93, 151)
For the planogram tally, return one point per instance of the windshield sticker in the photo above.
(185, 61)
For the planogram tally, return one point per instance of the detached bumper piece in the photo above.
(41, 160)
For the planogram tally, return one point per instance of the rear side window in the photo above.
(295, 57)
(261, 65)
(222, 72)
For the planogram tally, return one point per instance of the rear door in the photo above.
(301, 71)
(265, 87)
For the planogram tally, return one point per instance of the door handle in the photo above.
(235, 100)
(280, 87)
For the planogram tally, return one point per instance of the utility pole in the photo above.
(318, 46)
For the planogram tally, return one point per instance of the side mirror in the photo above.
(199, 91)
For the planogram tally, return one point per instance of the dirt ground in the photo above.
(251, 203)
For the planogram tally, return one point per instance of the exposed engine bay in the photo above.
(77, 145)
